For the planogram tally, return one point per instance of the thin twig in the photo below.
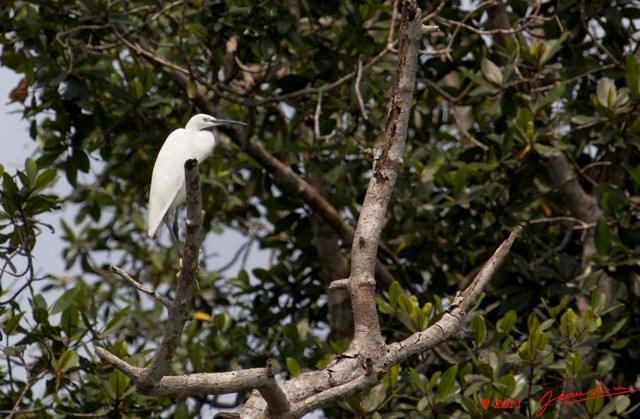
(363, 110)
(27, 385)
(582, 224)
(316, 116)
(124, 275)
(585, 26)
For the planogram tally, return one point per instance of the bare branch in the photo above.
(580, 203)
(124, 275)
(453, 321)
(339, 392)
(124, 367)
(339, 284)
(27, 386)
(387, 163)
(471, 294)
(192, 384)
(363, 110)
(179, 310)
(277, 403)
(585, 26)
(582, 225)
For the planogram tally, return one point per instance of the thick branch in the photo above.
(343, 391)
(179, 310)
(349, 374)
(277, 403)
(583, 206)
(580, 203)
(193, 384)
(387, 164)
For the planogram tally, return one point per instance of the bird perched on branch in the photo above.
(168, 191)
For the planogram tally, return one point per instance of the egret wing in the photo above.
(167, 181)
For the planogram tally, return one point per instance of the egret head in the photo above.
(204, 121)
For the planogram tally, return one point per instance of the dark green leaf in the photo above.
(447, 383)
(65, 300)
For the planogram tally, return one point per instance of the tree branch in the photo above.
(454, 320)
(179, 310)
(387, 163)
(582, 205)
(124, 275)
(349, 373)
(277, 403)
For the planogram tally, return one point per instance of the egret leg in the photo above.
(173, 230)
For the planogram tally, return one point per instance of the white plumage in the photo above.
(195, 141)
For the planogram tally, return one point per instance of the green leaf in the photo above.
(550, 97)
(491, 72)
(478, 80)
(69, 320)
(116, 322)
(394, 292)
(446, 385)
(119, 383)
(479, 327)
(293, 367)
(506, 323)
(606, 364)
(391, 377)
(197, 29)
(594, 405)
(569, 323)
(44, 179)
(632, 74)
(587, 120)
(621, 403)
(539, 341)
(552, 47)
(602, 237)
(65, 300)
(32, 169)
(69, 359)
(12, 322)
(81, 160)
(375, 398)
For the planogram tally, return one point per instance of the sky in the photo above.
(16, 146)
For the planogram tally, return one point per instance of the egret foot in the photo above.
(174, 233)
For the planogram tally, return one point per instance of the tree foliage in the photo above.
(524, 114)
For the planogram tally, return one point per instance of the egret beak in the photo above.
(228, 122)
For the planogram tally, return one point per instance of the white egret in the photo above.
(168, 191)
